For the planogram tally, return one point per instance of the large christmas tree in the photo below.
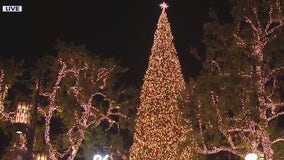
(159, 131)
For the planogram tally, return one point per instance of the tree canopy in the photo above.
(236, 104)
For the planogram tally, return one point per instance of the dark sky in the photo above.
(123, 29)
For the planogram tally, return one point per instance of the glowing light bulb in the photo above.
(251, 156)
(164, 5)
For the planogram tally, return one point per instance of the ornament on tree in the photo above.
(164, 5)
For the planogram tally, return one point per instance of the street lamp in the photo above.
(41, 156)
(22, 117)
(22, 114)
(251, 156)
(21, 123)
(25, 121)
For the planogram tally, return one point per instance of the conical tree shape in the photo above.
(159, 130)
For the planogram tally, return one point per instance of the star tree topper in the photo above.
(164, 5)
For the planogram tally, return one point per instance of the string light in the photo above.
(251, 132)
(22, 113)
(159, 131)
(4, 116)
(89, 115)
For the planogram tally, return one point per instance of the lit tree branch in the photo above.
(270, 29)
(200, 126)
(52, 108)
(250, 122)
(278, 69)
(4, 116)
(215, 150)
(276, 115)
(89, 115)
(226, 132)
(240, 41)
(255, 12)
(278, 140)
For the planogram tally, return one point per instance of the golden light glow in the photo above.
(4, 116)
(159, 130)
(89, 115)
(22, 114)
(41, 156)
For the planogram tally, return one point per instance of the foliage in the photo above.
(80, 99)
(237, 100)
(79, 91)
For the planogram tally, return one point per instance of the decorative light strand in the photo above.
(254, 134)
(159, 131)
(4, 116)
(90, 115)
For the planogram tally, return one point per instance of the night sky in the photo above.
(124, 29)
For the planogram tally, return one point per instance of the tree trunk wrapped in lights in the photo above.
(8, 74)
(239, 100)
(3, 93)
(160, 131)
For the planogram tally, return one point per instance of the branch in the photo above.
(226, 133)
(249, 21)
(3, 93)
(273, 30)
(281, 139)
(215, 150)
(200, 125)
(276, 70)
(240, 41)
(103, 76)
(229, 138)
(255, 12)
(275, 116)
(89, 115)
(52, 107)
(270, 19)
(270, 26)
